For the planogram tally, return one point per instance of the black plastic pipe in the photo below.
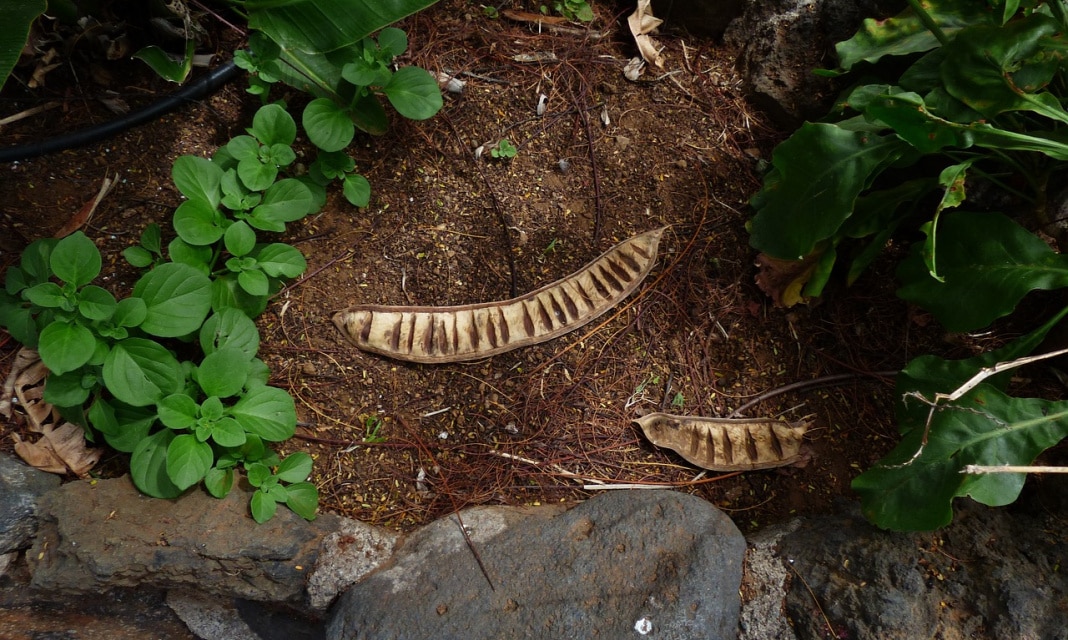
(193, 91)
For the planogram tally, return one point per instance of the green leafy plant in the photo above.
(575, 10)
(977, 110)
(372, 430)
(170, 373)
(504, 150)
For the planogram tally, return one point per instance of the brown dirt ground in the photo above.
(680, 147)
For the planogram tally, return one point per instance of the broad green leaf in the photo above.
(222, 373)
(322, 26)
(137, 256)
(167, 66)
(951, 179)
(17, 18)
(150, 238)
(240, 148)
(49, 295)
(197, 223)
(67, 390)
(280, 260)
(363, 73)
(295, 468)
(981, 63)
(818, 174)
(35, 260)
(123, 426)
(130, 312)
(280, 155)
(177, 299)
(239, 239)
(140, 372)
(328, 126)
(368, 115)
(19, 323)
(228, 433)
(148, 466)
(258, 473)
(96, 303)
(303, 499)
(905, 34)
(989, 264)
(178, 411)
(65, 346)
(263, 507)
(75, 260)
(187, 461)
(259, 373)
(267, 412)
(254, 282)
(285, 201)
(197, 257)
(357, 190)
(392, 41)
(198, 179)
(913, 122)
(226, 292)
(218, 482)
(414, 93)
(255, 174)
(273, 125)
(230, 328)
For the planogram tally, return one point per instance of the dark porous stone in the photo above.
(623, 564)
(21, 487)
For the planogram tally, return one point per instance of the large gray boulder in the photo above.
(94, 537)
(20, 489)
(780, 42)
(622, 564)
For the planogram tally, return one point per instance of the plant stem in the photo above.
(928, 22)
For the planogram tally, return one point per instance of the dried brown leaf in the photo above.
(783, 280)
(59, 450)
(642, 22)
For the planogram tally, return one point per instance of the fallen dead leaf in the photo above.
(783, 280)
(59, 450)
(642, 23)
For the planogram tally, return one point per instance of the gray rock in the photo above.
(764, 582)
(20, 488)
(345, 557)
(209, 617)
(991, 574)
(780, 42)
(623, 564)
(98, 536)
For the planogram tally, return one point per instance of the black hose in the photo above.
(193, 91)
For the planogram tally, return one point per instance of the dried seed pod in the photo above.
(722, 444)
(473, 331)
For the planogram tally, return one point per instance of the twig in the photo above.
(29, 112)
(825, 381)
(1010, 468)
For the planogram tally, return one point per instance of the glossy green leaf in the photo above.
(218, 482)
(16, 18)
(167, 66)
(178, 411)
(65, 346)
(280, 260)
(392, 41)
(48, 295)
(75, 260)
(357, 190)
(295, 468)
(818, 174)
(197, 223)
(239, 239)
(952, 182)
(272, 124)
(226, 292)
(198, 179)
(228, 433)
(177, 299)
(130, 312)
(255, 174)
(66, 390)
(197, 257)
(254, 282)
(230, 328)
(222, 373)
(140, 372)
(905, 34)
(322, 26)
(989, 264)
(123, 426)
(285, 201)
(263, 507)
(148, 466)
(368, 114)
(328, 125)
(96, 303)
(187, 461)
(267, 412)
(414, 93)
(303, 499)
(983, 64)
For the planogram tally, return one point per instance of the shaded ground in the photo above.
(538, 424)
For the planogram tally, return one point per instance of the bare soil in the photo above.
(608, 159)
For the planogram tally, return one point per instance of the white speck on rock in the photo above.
(644, 626)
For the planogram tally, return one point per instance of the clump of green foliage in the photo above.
(971, 101)
(574, 10)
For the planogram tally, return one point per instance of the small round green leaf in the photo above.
(239, 239)
(254, 282)
(357, 190)
(218, 482)
(273, 125)
(414, 93)
(75, 259)
(228, 433)
(303, 499)
(66, 390)
(230, 328)
(96, 303)
(198, 179)
(197, 223)
(140, 372)
(327, 125)
(137, 256)
(263, 507)
(65, 346)
(223, 372)
(130, 312)
(268, 412)
(258, 473)
(187, 461)
(286, 200)
(177, 297)
(281, 260)
(148, 466)
(177, 411)
(295, 468)
(48, 295)
(392, 41)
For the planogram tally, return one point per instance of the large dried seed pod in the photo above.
(473, 331)
(723, 444)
